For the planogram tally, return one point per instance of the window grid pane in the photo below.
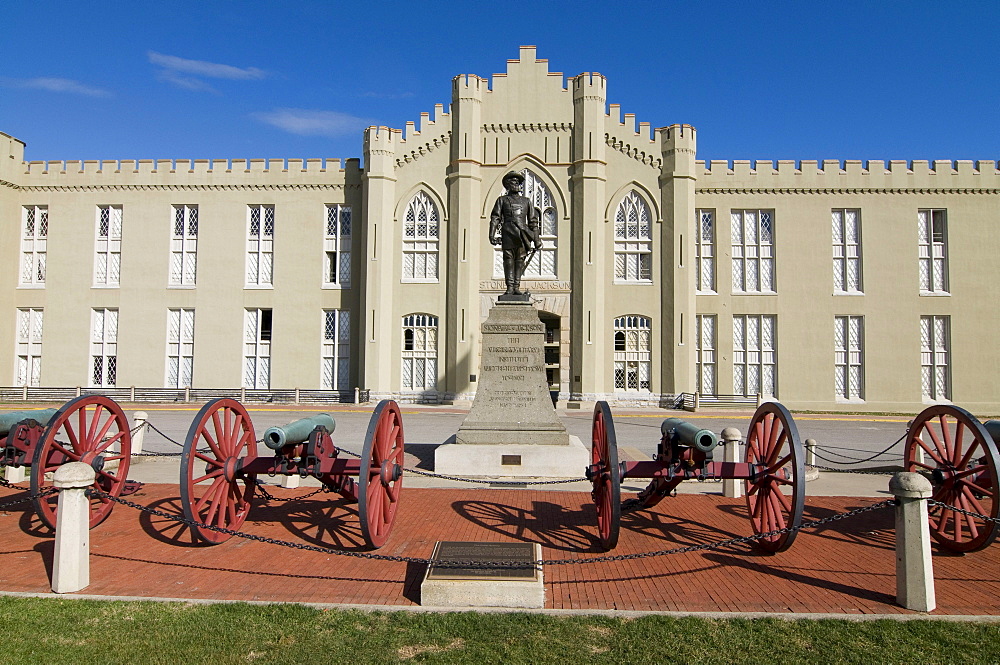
(753, 251)
(848, 338)
(337, 246)
(34, 237)
(755, 355)
(180, 348)
(336, 350)
(104, 347)
(29, 346)
(420, 239)
(935, 343)
(633, 358)
(107, 246)
(256, 349)
(705, 251)
(260, 245)
(419, 352)
(846, 225)
(932, 236)
(184, 246)
(633, 244)
(705, 326)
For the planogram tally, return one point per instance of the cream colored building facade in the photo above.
(833, 285)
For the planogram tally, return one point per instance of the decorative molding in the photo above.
(649, 159)
(430, 146)
(843, 190)
(182, 187)
(517, 128)
(4, 183)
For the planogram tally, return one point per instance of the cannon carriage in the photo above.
(220, 465)
(91, 429)
(958, 454)
(773, 472)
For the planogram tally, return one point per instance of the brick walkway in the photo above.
(845, 567)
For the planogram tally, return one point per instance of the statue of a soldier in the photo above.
(514, 225)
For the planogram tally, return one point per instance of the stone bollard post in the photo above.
(810, 452)
(71, 566)
(914, 570)
(141, 419)
(291, 481)
(731, 436)
(14, 474)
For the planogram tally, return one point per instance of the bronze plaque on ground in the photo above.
(458, 552)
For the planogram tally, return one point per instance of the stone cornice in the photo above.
(648, 158)
(4, 183)
(845, 190)
(430, 146)
(508, 128)
(186, 187)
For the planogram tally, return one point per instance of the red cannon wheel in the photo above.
(214, 491)
(91, 429)
(605, 476)
(960, 460)
(774, 448)
(381, 476)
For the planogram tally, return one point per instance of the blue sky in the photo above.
(760, 80)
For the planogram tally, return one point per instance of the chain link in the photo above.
(493, 564)
(937, 504)
(267, 496)
(6, 483)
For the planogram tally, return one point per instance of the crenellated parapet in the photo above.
(419, 140)
(623, 135)
(791, 176)
(185, 173)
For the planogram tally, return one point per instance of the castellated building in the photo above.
(841, 285)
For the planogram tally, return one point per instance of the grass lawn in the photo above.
(83, 631)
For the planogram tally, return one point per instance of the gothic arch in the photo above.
(647, 196)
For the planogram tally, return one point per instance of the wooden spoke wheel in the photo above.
(776, 494)
(605, 476)
(381, 476)
(214, 489)
(960, 459)
(91, 429)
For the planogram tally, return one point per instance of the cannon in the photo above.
(773, 472)
(958, 454)
(91, 429)
(220, 465)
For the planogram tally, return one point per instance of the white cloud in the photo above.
(61, 85)
(309, 122)
(187, 82)
(205, 69)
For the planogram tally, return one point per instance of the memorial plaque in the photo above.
(457, 552)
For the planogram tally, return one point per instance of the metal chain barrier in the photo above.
(6, 483)
(494, 564)
(270, 497)
(859, 460)
(968, 513)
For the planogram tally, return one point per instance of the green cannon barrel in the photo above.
(993, 427)
(690, 435)
(11, 418)
(277, 438)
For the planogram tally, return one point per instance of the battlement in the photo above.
(589, 85)
(465, 86)
(850, 173)
(626, 128)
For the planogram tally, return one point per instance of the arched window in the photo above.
(632, 352)
(633, 240)
(420, 352)
(543, 264)
(421, 226)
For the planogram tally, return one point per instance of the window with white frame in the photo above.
(849, 357)
(705, 252)
(336, 351)
(337, 246)
(421, 226)
(108, 246)
(29, 347)
(104, 348)
(753, 251)
(633, 240)
(420, 352)
(35, 231)
(932, 235)
(260, 244)
(257, 349)
(755, 358)
(935, 342)
(705, 353)
(633, 354)
(846, 250)
(543, 263)
(184, 246)
(180, 348)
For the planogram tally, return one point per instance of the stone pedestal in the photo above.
(512, 429)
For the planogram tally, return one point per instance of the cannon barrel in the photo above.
(277, 438)
(11, 418)
(993, 427)
(690, 435)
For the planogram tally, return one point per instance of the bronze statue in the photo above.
(515, 225)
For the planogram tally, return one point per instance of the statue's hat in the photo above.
(515, 175)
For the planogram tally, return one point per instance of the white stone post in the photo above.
(290, 482)
(14, 474)
(141, 419)
(810, 452)
(914, 570)
(71, 568)
(731, 436)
